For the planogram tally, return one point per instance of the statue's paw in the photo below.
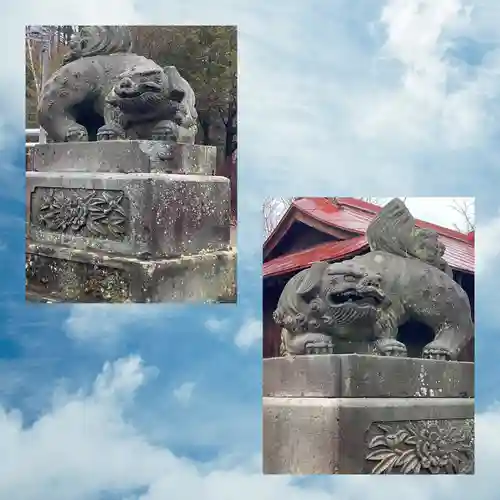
(110, 133)
(77, 133)
(436, 351)
(390, 347)
(319, 347)
(165, 131)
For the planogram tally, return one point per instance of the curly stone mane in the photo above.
(394, 231)
(99, 40)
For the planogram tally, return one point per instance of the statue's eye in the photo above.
(349, 277)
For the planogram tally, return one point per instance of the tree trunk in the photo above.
(231, 131)
(205, 128)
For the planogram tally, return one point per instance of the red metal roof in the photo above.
(336, 250)
(353, 215)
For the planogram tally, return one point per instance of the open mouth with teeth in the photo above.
(371, 297)
(353, 305)
(128, 92)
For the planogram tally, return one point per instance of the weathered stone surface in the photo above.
(368, 436)
(126, 156)
(135, 214)
(62, 274)
(364, 376)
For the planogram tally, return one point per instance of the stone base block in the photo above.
(365, 376)
(365, 414)
(368, 436)
(124, 156)
(140, 215)
(61, 274)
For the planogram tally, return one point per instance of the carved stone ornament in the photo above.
(106, 92)
(423, 447)
(95, 213)
(360, 303)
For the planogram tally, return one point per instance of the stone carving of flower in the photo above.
(60, 212)
(425, 446)
(106, 214)
(100, 214)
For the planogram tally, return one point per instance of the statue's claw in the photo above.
(110, 133)
(319, 347)
(436, 351)
(390, 347)
(77, 133)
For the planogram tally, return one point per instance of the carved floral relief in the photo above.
(423, 446)
(95, 213)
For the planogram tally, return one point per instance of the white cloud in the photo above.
(249, 333)
(84, 445)
(119, 380)
(184, 392)
(436, 99)
(487, 248)
(216, 325)
(368, 113)
(105, 324)
(220, 328)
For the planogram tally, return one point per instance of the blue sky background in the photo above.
(370, 98)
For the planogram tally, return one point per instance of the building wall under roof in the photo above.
(299, 237)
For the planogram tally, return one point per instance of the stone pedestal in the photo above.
(118, 221)
(361, 414)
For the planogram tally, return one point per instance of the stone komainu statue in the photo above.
(364, 300)
(104, 91)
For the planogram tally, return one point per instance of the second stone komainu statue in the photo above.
(359, 304)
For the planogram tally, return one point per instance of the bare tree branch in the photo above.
(465, 208)
(380, 201)
(273, 209)
(371, 199)
(32, 68)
